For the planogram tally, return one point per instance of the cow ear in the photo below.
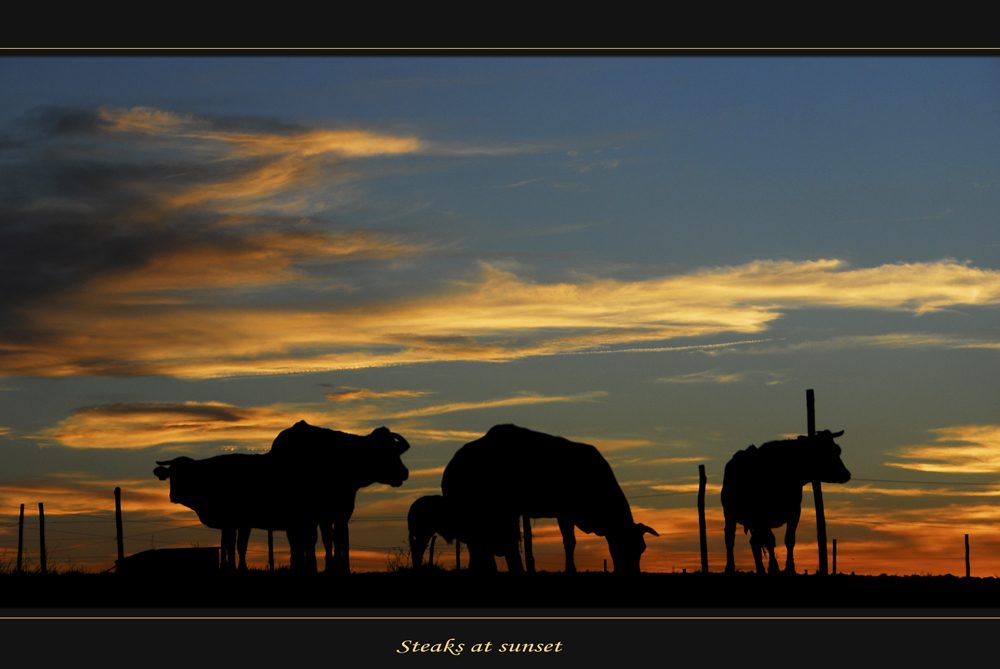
(645, 528)
(162, 473)
(400, 442)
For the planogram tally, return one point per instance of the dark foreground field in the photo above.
(404, 591)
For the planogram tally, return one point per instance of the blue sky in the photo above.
(200, 251)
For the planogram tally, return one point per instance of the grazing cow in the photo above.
(512, 472)
(311, 478)
(762, 489)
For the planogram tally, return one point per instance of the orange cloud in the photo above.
(364, 394)
(496, 317)
(963, 449)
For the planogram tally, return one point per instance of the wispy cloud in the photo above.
(715, 376)
(962, 449)
(525, 182)
(364, 394)
(494, 316)
(214, 426)
(493, 404)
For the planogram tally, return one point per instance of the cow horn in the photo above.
(645, 528)
(164, 462)
(836, 434)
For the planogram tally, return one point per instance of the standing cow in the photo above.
(762, 489)
(512, 472)
(356, 462)
(311, 479)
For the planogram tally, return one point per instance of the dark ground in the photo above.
(405, 591)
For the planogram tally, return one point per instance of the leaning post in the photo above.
(41, 535)
(20, 539)
(118, 523)
(702, 479)
(430, 558)
(817, 489)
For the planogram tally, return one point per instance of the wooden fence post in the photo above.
(41, 535)
(605, 565)
(430, 558)
(20, 539)
(270, 549)
(702, 479)
(817, 489)
(458, 555)
(529, 559)
(834, 557)
(118, 523)
(968, 569)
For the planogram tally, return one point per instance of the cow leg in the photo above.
(569, 542)
(509, 545)
(755, 546)
(228, 559)
(730, 543)
(341, 550)
(790, 542)
(326, 529)
(769, 542)
(311, 537)
(243, 538)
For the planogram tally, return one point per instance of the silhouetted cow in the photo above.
(357, 462)
(428, 516)
(311, 478)
(512, 472)
(762, 489)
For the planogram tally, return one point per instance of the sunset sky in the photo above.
(656, 256)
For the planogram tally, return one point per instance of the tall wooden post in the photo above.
(817, 489)
(118, 523)
(834, 571)
(41, 535)
(458, 555)
(529, 559)
(270, 549)
(430, 558)
(968, 570)
(702, 479)
(20, 539)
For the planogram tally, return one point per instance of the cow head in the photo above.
(179, 492)
(627, 546)
(383, 450)
(825, 462)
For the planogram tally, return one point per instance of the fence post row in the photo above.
(817, 488)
